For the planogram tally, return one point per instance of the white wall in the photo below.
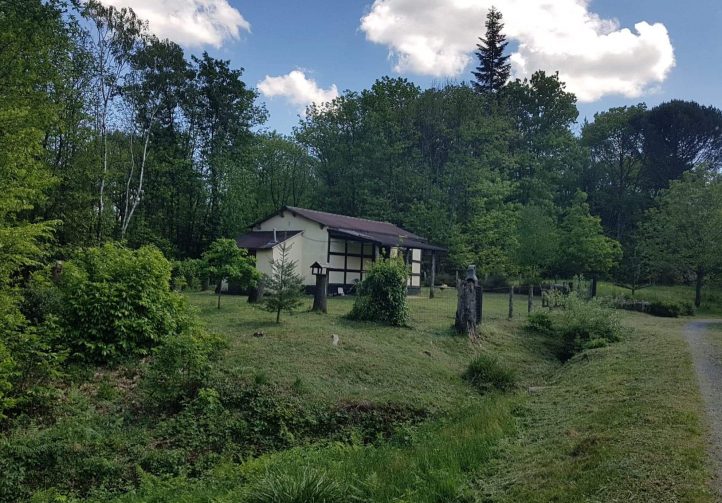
(309, 247)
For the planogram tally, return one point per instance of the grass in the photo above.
(420, 365)
(620, 423)
(711, 296)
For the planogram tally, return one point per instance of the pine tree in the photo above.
(494, 68)
(284, 286)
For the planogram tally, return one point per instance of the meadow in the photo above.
(618, 423)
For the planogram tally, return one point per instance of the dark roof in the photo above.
(263, 240)
(383, 233)
(352, 223)
(387, 239)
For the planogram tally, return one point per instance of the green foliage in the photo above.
(670, 309)
(578, 325)
(224, 260)
(188, 274)
(381, 296)
(284, 287)
(584, 247)
(180, 367)
(683, 236)
(304, 486)
(486, 373)
(494, 68)
(7, 375)
(117, 303)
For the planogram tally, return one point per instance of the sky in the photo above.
(610, 52)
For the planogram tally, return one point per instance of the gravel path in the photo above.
(708, 363)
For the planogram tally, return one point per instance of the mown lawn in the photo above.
(419, 365)
(711, 296)
(621, 423)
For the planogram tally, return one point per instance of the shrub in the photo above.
(381, 295)
(188, 274)
(304, 486)
(117, 302)
(541, 322)
(670, 309)
(582, 323)
(180, 367)
(486, 373)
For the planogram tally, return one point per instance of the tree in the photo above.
(538, 241)
(614, 181)
(224, 260)
(494, 68)
(683, 234)
(584, 247)
(284, 287)
(679, 136)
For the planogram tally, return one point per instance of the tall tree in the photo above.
(683, 235)
(584, 247)
(679, 136)
(614, 180)
(494, 69)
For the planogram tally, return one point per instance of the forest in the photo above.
(121, 153)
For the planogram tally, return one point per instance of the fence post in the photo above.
(511, 301)
(433, 275)
(530, 301)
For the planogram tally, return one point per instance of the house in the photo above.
(347, 245)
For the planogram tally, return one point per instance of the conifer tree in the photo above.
(494, 68)
(284, 286)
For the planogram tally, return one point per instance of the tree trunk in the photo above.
(698, 287)
(594, 286)
(218, 288)
(433, 275)
(511, 302)
(278, 315)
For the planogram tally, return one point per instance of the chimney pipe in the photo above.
(274, 236)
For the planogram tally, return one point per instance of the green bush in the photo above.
(304, 486)
(578, 324)
(541, 322)
(486, 373)
(188, 274)
(180, 367)
(671, 309)
(117, 302)
(381, 295)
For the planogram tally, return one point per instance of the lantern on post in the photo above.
(320, 295)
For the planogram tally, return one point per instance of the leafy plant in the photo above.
(224, 260)
(117, 302)
(486, 373)
(381, 295)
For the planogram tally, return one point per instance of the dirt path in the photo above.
(708, 363)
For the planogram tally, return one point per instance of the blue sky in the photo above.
(329, 44)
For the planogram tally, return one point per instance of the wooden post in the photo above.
(433, 275)
(511, 302)
(530, 300)
(320, 296)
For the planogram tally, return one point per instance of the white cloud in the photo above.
(298, 89)
(189, 22)
(594, 56)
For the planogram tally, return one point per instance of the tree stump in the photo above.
(255, 294)
(466, 320)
